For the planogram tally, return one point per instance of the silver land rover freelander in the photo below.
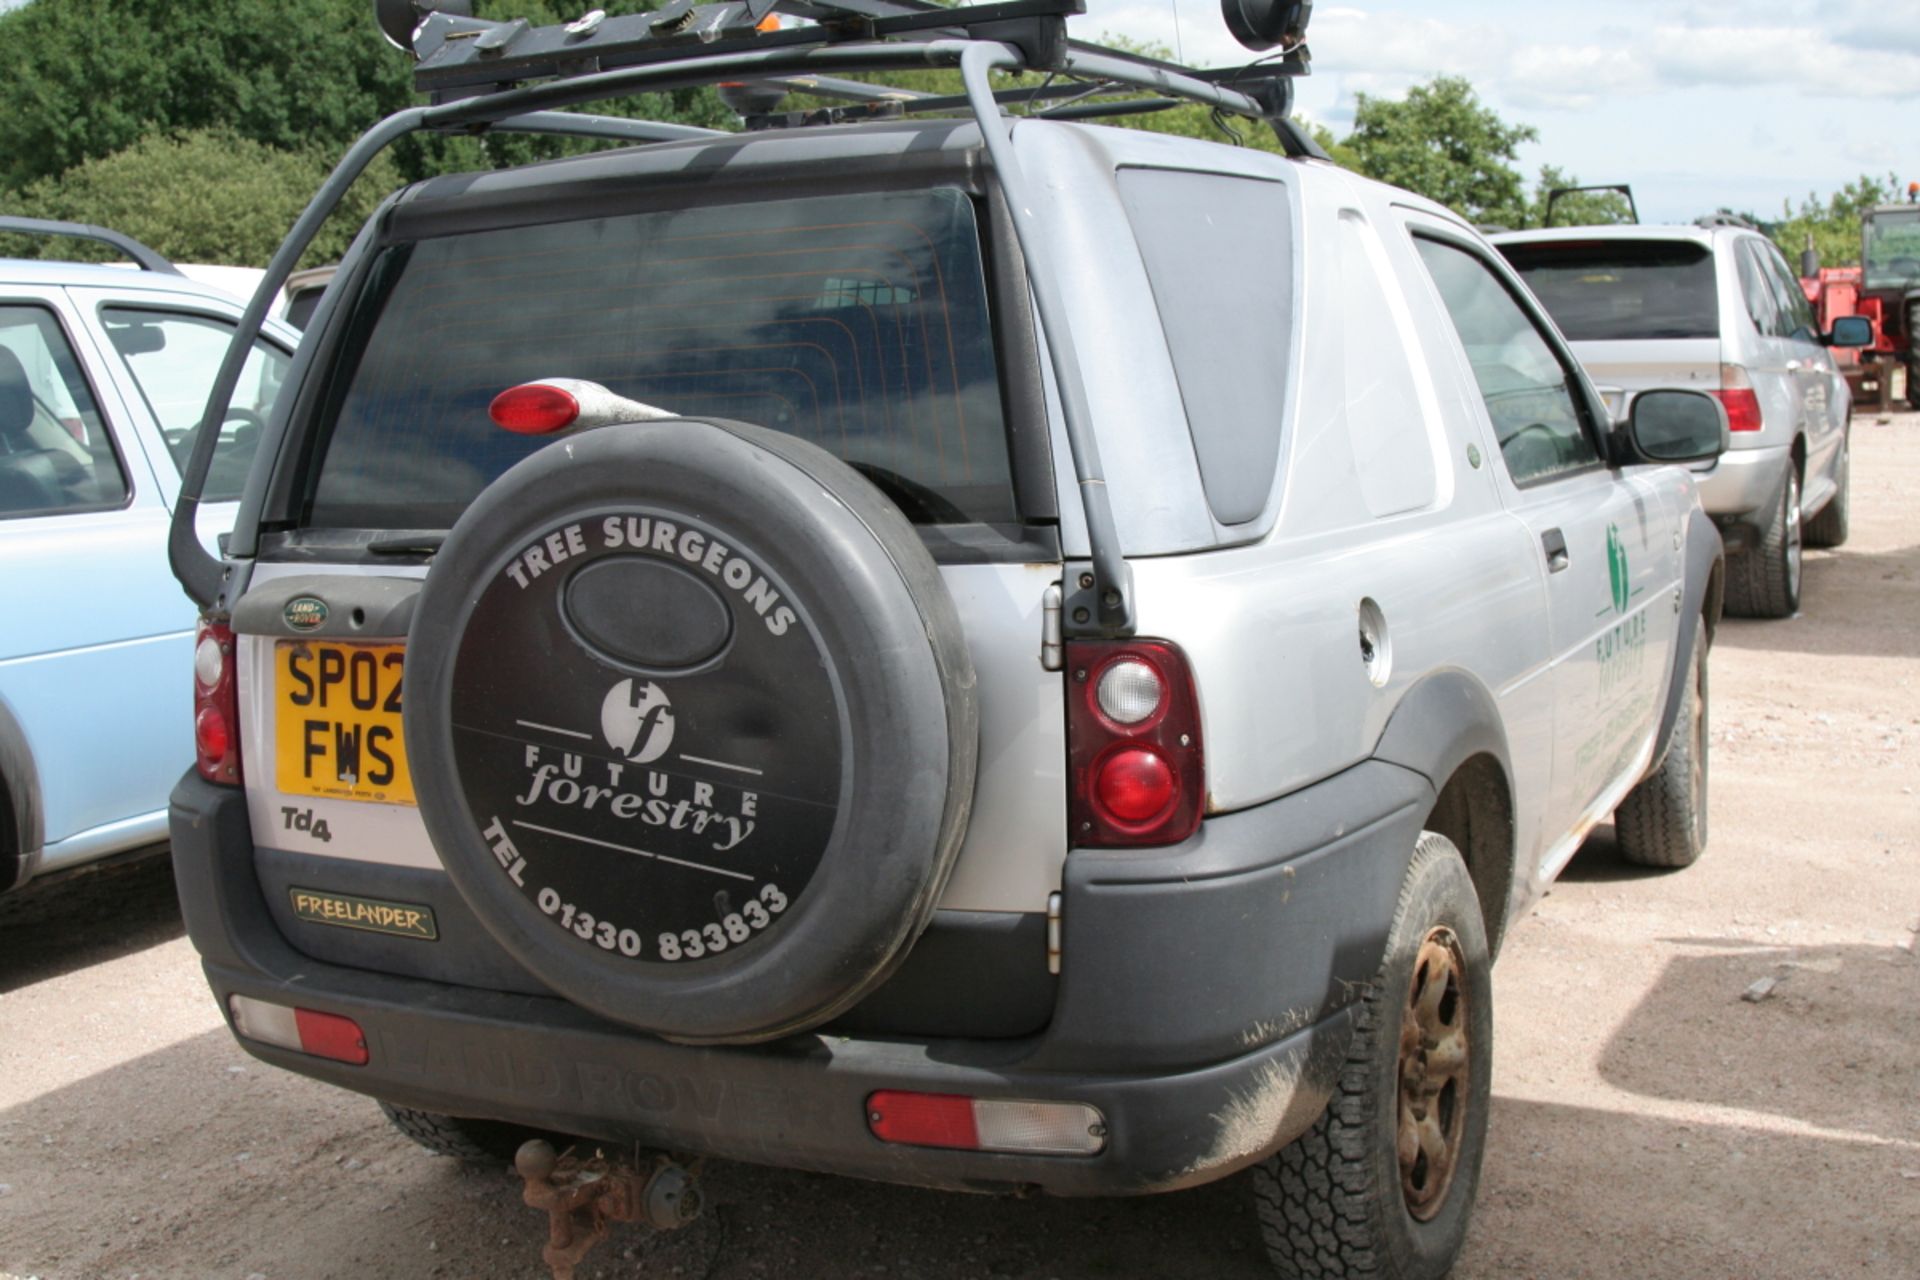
(928, 639)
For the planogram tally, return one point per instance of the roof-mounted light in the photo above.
(1267, 24)
(400, 19)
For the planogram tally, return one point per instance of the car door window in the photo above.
(1763, 304)
(174, 357)
(1796, 314)
(56, 454)
(1527, 389)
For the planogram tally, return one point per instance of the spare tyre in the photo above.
(693, 726)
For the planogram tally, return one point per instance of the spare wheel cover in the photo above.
(692, 724)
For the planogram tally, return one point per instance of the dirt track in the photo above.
(1647, 1122)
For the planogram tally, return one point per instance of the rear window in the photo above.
(859, 323)
(1601, 290)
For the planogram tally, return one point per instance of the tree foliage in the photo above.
(1442, 142)
(1834, 223)
(206, 196)
(88, 78)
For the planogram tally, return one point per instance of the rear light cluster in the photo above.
(1736, 392)
(324, 1035)
(985, 1124)
(216, 704)
(1133, 744)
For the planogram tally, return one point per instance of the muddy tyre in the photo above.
(475, 1141)
(1764, 580)
(1663, 821)
(693, 726)
(1383, 1185)
(1829, 528)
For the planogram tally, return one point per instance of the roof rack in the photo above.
(482, 76)
(1725, 219)
(143, 257)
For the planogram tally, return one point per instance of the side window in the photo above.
(1762, 303)
(1528, 393)
(1228, 316)
(174, 358)
(1796, 314)
(55, 452)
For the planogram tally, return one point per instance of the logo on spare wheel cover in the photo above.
(306, 613)
(637, 719)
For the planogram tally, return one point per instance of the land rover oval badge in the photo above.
(306, 613)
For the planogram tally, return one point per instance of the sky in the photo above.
(1744, 104)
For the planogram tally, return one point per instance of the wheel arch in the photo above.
(1703, 591)
(1448, 728)
(21, 822)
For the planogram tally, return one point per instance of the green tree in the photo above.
(1443, 143)
(1834, 223)
(88, 78)
(200, 197)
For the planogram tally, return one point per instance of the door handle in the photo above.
(1554, 543)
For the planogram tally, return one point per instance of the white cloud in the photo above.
(1808, 59)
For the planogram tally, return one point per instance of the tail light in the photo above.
(1133, 744)
(1736, 392)
(216, 704)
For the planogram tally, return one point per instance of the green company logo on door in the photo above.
(1617, 568)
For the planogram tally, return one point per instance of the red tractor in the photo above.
(1885, 289)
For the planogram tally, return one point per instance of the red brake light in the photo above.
(1133, 744)
(216, 704)
(1133, 784)
(534, 409)
(1743, 408)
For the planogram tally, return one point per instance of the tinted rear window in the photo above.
(1623, 289)
(859, 323)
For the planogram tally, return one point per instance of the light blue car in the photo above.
(103, 375)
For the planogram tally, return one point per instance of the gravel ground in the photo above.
(1647, 1121)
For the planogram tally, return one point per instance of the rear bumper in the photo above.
(1203, 1008)
(1741, 488)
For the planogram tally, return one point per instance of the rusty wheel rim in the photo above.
(1433, 1074)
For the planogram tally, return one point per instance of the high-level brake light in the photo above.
(534, 409)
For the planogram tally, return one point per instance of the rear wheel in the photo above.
(478, 1141)
(1663, 821)
(1384, 1183)
(1829, 528)
(1764, 581)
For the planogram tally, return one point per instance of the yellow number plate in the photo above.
(338, 731)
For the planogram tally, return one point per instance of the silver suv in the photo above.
(1715, 306)
(998, 654)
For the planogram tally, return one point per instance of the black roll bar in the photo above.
(1032, 27)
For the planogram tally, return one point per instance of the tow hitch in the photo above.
(581, 1197)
